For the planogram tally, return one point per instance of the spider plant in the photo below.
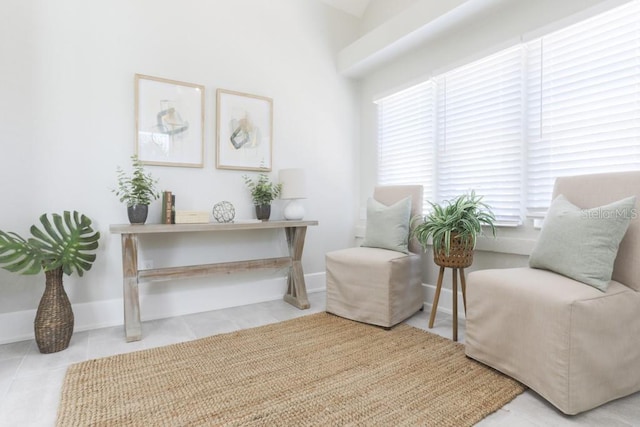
(461, 218)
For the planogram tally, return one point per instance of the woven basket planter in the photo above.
(460, 255)
(54, 320)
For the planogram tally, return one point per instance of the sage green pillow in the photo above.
(388, 226)
(582, 243)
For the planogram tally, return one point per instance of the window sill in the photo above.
(506, 245)
(503, 245)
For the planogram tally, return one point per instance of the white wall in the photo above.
(500, 25)
(380, 11)
(67, 121)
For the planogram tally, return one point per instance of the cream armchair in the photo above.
(378, 286)
(575, 345)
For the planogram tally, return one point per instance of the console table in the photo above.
(295, 231)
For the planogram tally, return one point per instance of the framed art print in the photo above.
(169, 122)
(244, 131)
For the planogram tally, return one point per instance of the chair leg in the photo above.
(434, 307)
(455, 303)
(463, 284)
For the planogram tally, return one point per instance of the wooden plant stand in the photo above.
(458, 259)
(454, 290)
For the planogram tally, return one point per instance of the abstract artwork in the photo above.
(169, 122)
(244, 124)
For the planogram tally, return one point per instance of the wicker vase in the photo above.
(54, 320)
(460, 255)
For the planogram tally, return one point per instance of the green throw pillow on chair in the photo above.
(388, 226)
(582, 243)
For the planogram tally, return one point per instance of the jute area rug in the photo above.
(317, 370)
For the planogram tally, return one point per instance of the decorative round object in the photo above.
(224, 212)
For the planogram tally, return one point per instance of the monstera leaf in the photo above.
(65, 241)
(17, 256)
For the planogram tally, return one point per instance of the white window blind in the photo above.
(584, 102)
(405, 138)
(508, 125)
(479, 133)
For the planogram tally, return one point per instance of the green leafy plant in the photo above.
(64, 244)
(461, 218)
(66, 241)
(137, 188)
(263, 191)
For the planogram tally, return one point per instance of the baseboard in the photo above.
(18, 325)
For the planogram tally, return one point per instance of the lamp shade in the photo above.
(293, 184)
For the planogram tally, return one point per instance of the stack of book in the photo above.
(171, 216)
(168, 208)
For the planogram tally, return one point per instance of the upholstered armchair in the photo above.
(570, 327)
(380, 282)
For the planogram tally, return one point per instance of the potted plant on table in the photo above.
(137, 191)
(453, 228)
(263, 192)
(64, 246)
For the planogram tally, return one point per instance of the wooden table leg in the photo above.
(296, 289)
(132, 326)
(434, 306)
(454, 291)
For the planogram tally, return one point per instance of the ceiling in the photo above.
(353, 7)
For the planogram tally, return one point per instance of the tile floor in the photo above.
(30, 382)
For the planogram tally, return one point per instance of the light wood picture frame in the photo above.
(169, 122)
(244, 126)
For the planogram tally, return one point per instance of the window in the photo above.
(479, 132)
(405, 139)
(585, 106)
(508, 125)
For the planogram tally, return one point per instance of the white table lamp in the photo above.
(293, 189)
